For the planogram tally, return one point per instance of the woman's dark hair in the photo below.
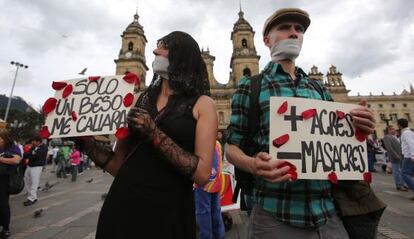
(187, 71)
(7, 138)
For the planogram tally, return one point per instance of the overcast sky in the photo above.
(371, 42)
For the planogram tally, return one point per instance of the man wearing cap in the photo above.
(283, 208)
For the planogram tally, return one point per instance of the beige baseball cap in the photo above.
(287, 14)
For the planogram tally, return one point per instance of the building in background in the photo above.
(245, 61)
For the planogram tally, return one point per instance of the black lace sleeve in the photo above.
(183, 160)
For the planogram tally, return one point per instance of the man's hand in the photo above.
(264, 166)
(363, 118)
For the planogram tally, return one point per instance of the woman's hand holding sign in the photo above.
(270, 169)
(363, 118)
(140, 119)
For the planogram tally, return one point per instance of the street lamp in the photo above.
(18, 65)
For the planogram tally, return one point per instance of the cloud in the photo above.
(369, 41)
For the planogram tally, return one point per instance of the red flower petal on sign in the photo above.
(340, 114)
(94, 78)
(128, 99)
(361, 137)
(122, 133)
(131, 78)
(58, 85)
(286, 163)
(293, 175)
(367, 177)
(307, 114)
(74, 116)
(333, 178)
(49, 105)
(280, 140)
(44, 132)
(282, 108)
(67, 91)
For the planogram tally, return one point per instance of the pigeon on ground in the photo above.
(89, 180)
(48, 186)
(38, 213)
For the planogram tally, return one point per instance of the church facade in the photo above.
(245, 61)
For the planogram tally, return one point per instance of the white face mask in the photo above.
(160, 66)
(287, 49)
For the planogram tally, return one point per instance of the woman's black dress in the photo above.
(149, 197)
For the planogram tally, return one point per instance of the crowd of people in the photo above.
(34, 156)
(165, 169)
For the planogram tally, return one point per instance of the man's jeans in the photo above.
(407, 172)
(208, 214)
(263, 225)
(396, 173)
(31, 181)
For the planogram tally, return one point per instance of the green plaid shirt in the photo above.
(303, 203)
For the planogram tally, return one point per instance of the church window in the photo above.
(382, 117)
(368, 105)
(221, 117)
(126, 72)
(247, 72)
(405, 105)
(244, 43)
(380, 105)
(130, 46)
(407, 116)
(393, 105)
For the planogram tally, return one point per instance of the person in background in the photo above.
(17, 142)
(407, 146)
(61, 163)
(207, 200)
(65, 149)
(9, 154)
(37, 159)
(371, 154)
(393, 147)
(54, 159)
(74, 161)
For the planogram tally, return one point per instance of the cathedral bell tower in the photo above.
(244, 60)
(336, 86)
(131, 57)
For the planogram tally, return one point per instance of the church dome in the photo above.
(242, 24)
(135, 26)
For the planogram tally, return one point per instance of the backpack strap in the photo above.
(253, 116)
(318, 88)
(252, 119)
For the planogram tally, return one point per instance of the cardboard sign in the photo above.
(317, 137)
(88, 106)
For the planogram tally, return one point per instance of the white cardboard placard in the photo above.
(319, 145)
(98, 105)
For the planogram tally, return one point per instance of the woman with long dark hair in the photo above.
(171, 146)
(9, 155)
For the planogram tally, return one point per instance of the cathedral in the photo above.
(245, 61)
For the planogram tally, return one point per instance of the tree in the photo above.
(23, 125)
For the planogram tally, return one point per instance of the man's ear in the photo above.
(266, 40)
